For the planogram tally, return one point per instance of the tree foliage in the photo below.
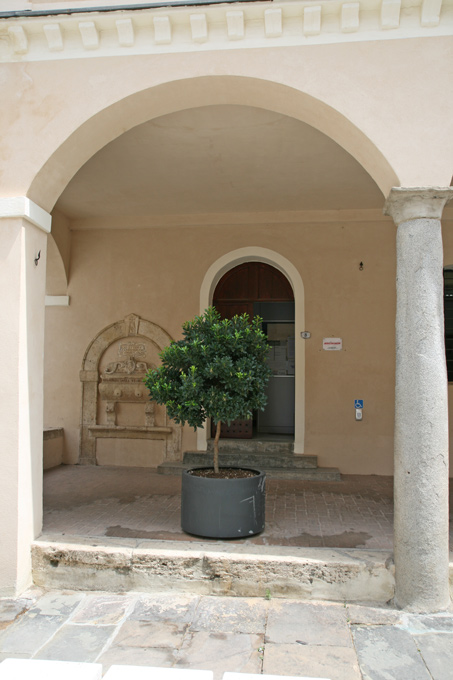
(218, 370)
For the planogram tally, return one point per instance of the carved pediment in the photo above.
(130, 367)
(123, 381)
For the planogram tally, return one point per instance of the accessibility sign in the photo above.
(358, 403)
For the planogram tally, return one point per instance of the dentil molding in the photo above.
(218, 26)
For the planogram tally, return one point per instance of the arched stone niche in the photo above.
(120, 425)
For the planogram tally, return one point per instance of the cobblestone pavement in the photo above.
(275, 636)
(139, 503)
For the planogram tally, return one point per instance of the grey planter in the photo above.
(223, 508)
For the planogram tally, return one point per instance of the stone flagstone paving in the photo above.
(271, 636)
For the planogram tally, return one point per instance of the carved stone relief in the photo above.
(115, 400)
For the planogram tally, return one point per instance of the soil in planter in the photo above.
(223, 473)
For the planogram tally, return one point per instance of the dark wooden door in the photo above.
(230, 309)
(235, 293)
(253, 282)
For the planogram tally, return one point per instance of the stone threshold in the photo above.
(220, 568)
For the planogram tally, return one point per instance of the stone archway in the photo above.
(121, 382)
(122, 112)
(258, 254)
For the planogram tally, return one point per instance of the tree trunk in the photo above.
(216, 447)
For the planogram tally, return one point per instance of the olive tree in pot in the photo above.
(219, 371)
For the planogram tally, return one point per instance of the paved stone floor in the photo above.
(255, 635)
(139, 503)
(276, 636)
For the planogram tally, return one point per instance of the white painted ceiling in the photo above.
(219, 159)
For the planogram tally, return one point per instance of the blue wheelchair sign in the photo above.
(358, 403)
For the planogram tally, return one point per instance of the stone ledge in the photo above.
(52, 433)
(222, 569)
(129, 431)
(53, 445)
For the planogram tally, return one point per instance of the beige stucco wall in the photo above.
(157, 274)
(71, 108)
(21, 399)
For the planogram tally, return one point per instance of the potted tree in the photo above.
(219, 371)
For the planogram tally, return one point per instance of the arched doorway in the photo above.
(257, 288)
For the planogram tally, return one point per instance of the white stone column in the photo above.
(421, 414)
(23, 238)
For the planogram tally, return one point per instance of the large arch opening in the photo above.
(100, 126)
(154, 248)
(160, 214)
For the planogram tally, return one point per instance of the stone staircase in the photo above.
(276, 458)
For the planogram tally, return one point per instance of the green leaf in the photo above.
(218, 370)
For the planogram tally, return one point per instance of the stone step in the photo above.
(274, 445)
(304, 474)
(251, 459)
(307, 474)
(212, 568)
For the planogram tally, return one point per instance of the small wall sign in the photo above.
(332, 344)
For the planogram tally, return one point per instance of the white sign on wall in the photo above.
(332, 344)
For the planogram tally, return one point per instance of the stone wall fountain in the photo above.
(120, 425)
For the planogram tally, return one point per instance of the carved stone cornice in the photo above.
(219, 26)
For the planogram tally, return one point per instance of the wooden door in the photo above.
(235, 293)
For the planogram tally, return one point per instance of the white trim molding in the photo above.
(57, 301)
(218, 26)
(21, 206)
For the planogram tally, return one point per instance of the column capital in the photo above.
(23, 207)
(413, 203)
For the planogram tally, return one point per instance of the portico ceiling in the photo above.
(219, 159)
